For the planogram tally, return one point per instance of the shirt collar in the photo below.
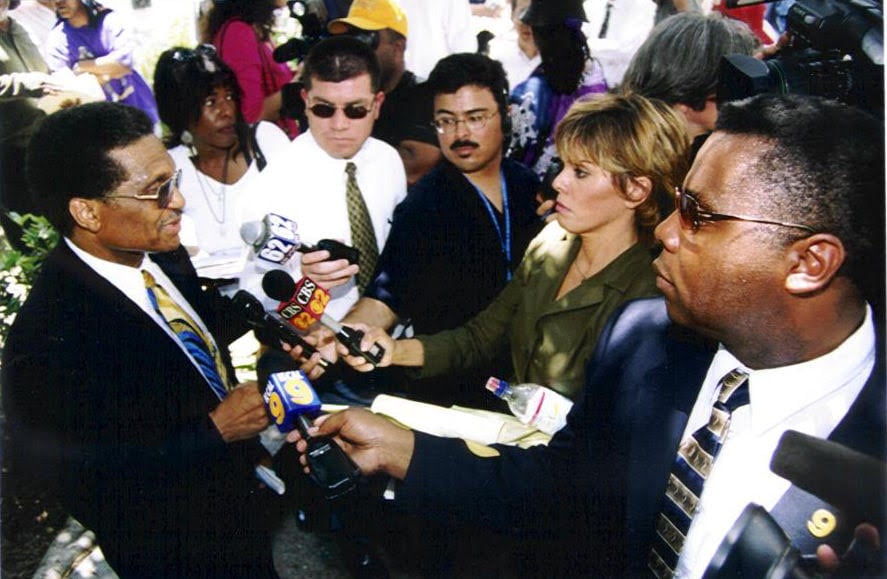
(778, 393)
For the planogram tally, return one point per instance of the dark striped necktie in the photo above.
(201, 348)
(688, 473)
(362, 234)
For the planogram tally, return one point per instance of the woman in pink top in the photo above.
(240, 31)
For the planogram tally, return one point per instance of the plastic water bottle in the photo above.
(533, 404)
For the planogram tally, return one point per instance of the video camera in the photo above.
(835, 50)
(313, 31)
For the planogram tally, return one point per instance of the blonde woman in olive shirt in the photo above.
(623, 156)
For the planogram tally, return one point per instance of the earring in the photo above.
(188, 140)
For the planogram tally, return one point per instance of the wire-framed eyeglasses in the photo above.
(474, 122)
(162, 193)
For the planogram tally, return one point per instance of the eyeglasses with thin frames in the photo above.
(474, 122)
(692, 216)
(352, 111)
(162, 194)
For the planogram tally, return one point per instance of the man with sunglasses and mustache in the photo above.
(772, 272)
(342, 95)
(117, 384)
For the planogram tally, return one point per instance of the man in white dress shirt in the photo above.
(342, 98)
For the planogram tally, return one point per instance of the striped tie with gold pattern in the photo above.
(688, 473)
(202, 349)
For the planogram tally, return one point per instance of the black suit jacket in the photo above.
(105, 404)
(599, 484)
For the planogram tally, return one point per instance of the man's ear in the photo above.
(85, 213)
(815, 261)
(637, 189)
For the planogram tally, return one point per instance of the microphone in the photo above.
(292, 403)
(273, 239)
(272, 325)
(303, 304)
(851, 481)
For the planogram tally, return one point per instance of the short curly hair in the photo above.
(68, 155)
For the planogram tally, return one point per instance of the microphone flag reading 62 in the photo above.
(274, 238)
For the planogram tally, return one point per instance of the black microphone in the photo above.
(851, 481)
(272, 325)
(302, 304)
(292, 403)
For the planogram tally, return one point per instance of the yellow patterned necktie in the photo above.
(362, 234)
(201, 348)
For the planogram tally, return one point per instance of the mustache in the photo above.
(459, 144)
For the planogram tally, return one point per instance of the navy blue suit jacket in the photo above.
(102, 402)
(601, 480)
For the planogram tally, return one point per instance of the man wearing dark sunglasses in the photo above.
(383, 25)
(772, 271)
(342, 98)
(117, 383)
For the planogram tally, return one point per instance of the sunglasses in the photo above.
(162, 194)
(184, 54)
(352, 111)
(692, 216)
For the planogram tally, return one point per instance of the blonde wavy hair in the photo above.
(629, 136)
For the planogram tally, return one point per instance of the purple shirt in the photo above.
(536, 109)
(67, 45)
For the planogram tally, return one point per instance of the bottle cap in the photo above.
(497, 386)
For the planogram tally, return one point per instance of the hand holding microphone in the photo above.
(274, 240)
(303, 304)
(272, 326)
(292, 404)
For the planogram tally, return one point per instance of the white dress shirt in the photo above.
(811, 397)
(435, 29)
(130, 282)
(630, 23)
(309, 188)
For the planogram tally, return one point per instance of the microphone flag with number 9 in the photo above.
(289, 395)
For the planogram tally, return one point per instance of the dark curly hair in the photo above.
(183, 78)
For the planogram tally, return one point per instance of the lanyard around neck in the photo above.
(504, 240)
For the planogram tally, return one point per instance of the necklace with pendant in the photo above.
(215, 197)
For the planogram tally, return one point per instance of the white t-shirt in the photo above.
(629, 24)
(309, 188)
(214, 210)
(436, 29)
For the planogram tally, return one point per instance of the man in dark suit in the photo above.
(150, 442)
(767, 258)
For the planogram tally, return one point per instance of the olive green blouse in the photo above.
(550, 339)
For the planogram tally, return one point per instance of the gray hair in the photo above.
(678, 63)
